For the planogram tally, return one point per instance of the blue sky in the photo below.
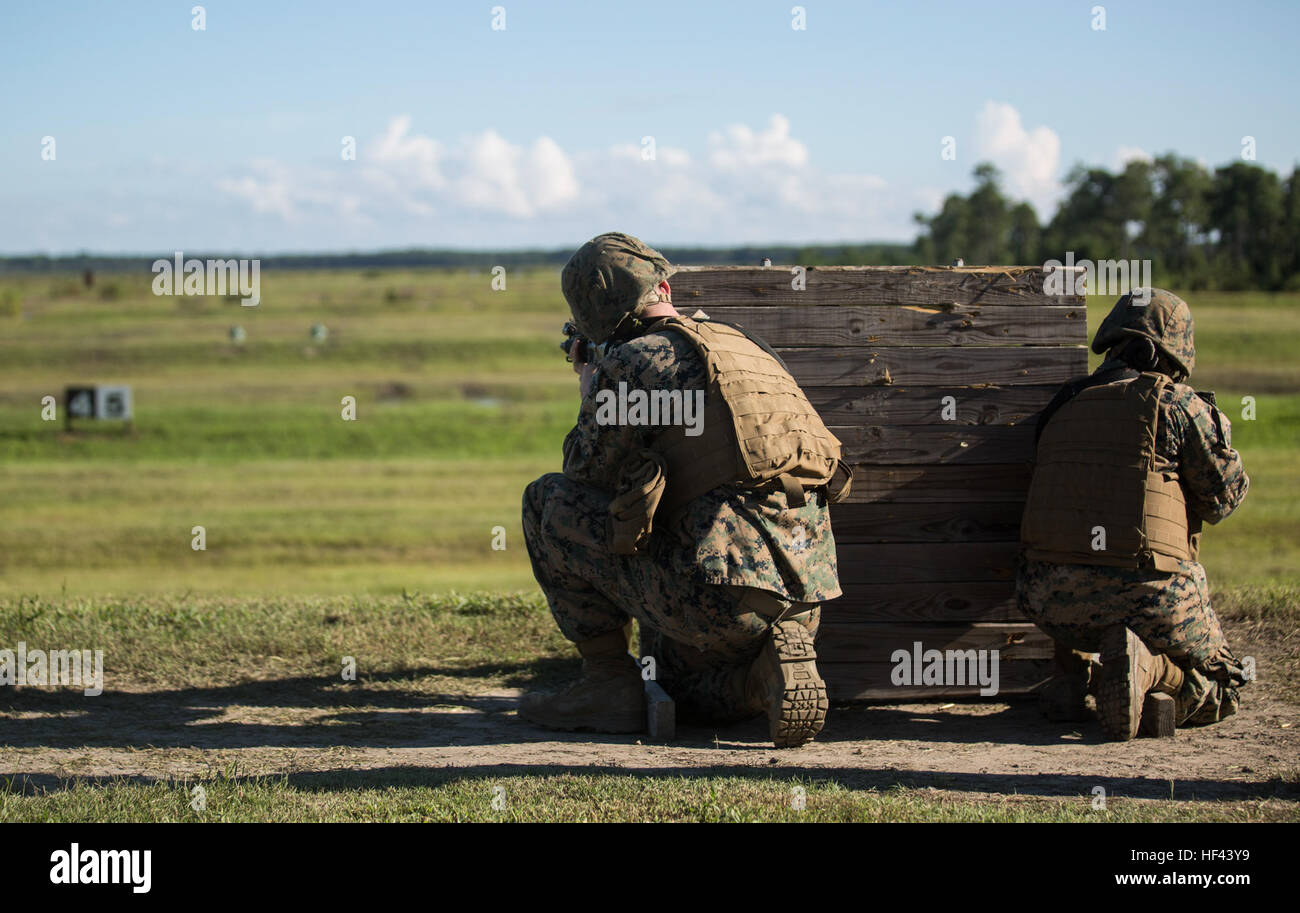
(229, 139)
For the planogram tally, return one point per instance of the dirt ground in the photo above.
(314, 727)
(988, 748)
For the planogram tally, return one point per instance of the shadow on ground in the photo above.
(859, 778)
(402, 709)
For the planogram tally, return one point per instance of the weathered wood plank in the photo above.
(907, 562)
(871, 682)
(958, 521)
(863, 285)
(963, 600)
(945, 444)
(876, 643)
(912, 405)
(940, 484)
(911, 325)
(930, 365)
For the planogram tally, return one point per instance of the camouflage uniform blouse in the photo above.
(728, 536)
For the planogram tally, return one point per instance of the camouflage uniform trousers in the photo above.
(701, 636)
(1170, 612)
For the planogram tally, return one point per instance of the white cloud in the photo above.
(416, 155)
(489, 178)
(750, 185)
(484, 172)
(268, 195)
(1029, 159)
(738, 148)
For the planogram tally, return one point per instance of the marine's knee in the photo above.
(536, 494)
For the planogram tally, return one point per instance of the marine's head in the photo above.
(611, 278)
(1150, 329)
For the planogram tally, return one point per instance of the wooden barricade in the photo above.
(932, 377)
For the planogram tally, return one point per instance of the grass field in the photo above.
(329, 538)
(462, 398)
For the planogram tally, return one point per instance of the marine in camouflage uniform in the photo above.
(708, 588)
(1077, 604)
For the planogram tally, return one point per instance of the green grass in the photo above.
(462, 398)
(282, 655)
(454, 797)
(185, 642)
(271, 526)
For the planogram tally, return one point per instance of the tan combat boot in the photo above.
(1063, 698)
(784, 681)
(1128, 673)
(609, 697)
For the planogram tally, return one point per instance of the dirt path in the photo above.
(285, 727)
(419, 725)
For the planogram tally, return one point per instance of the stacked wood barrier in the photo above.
(932, 377)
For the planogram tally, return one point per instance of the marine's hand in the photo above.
(583, 369)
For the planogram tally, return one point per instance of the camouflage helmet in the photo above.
(1165, 319)
(607, 279)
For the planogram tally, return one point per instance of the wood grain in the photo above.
(943, 444)
(927, 405)
(876, 642)
(931, 365)
(955, 601)
(939, 484)
(958, 521)
(863, 285)
(905, 562)
(911, 325)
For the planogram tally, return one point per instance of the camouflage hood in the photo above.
(607, 279)
(1166, 320)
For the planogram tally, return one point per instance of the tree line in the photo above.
(1237, 227)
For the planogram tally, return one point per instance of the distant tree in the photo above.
(1176, 230)
(1291, 230)
(980, 229)
(1247, 213)
(1102, 213)
(988, 220)
(1025, 239)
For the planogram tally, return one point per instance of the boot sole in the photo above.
(798, 713)
(1119, 705)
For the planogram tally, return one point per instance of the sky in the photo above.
(125, 129)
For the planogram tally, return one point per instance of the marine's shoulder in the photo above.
(651, 348)
(1184, 398)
